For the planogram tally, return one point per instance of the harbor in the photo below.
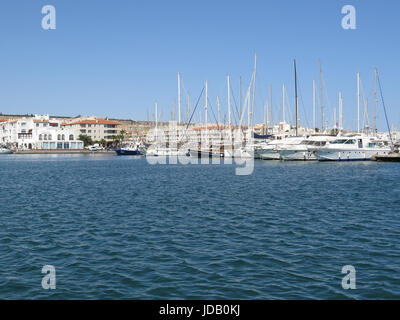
(198, 159)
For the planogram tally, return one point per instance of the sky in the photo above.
(116, 58)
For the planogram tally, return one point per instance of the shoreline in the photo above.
(63, 152)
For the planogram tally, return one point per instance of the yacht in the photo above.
(352, 148)
(304, 151)
(270, 150)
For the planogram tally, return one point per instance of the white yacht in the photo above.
(304, 151)
(352, 148)
(270, 150)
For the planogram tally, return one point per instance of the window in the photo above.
(49, 137)
(59, 137)
(71, 137)
(339, 141)
(40, 137)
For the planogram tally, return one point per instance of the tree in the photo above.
(87, 141)
(334, 132)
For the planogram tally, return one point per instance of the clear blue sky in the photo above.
(114, 58)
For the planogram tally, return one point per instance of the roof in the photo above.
(95, 121)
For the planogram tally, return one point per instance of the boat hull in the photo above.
(270, 155)
(125, 152)
(206, 154)
(5, 151)
(349, 155)
(297, 155)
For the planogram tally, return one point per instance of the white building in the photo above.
(38, 132)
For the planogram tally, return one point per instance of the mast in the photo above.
(229, 101)
(188, 108)
(321, 95)
(283, 103)
(314, 126)
(219, 111)
(179, 97)
(295, 90)
(266, 116)
(375, 100)
(205, 110)
(358, 102)
(270, 110)
(240, 93)
(340, 111)
(156, 116)
(254, 89)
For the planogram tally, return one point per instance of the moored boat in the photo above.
(128, 151)
(4, 150)
(353, 148)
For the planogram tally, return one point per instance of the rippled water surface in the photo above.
(119, 228)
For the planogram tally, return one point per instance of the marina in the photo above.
(196, 159)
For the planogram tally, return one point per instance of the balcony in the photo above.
(25, 135)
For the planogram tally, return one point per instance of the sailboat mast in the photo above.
(358, 102)
(340, 111)
(229, 101)
(240, 93)
(205, 110)
(219, 111)
(314, 125)
(321, 95)
(254, 89)
(266, 116)
(375, 100)
(179, 97)
(156, 117)
(283, 103)
(295, 86)
(270, 110)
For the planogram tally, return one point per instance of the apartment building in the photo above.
(95, 128)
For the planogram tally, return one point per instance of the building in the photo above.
(96, 128)
(38, 132)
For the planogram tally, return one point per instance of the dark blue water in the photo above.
(119, 228)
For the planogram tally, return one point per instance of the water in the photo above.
(119, 228)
